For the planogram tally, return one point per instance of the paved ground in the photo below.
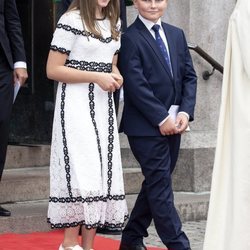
(195, 231)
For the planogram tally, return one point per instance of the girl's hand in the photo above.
(118, 78)
(109, 82)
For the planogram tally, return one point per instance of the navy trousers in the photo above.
(157, 157)
(6, 99)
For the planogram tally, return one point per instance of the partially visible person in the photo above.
(229, 217)
(159, 99)
(63, 5)
(86, 179)
(12, 70)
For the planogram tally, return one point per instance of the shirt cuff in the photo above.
(20, 64)
(163, 121)
(184, 113)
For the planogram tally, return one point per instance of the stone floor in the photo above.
(195, 231)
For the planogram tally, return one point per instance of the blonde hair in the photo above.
(88, 10)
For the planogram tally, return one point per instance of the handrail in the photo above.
(208, 58)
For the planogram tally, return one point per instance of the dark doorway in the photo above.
(33, 109)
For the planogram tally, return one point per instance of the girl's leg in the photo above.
(88, 236)
(71, 237)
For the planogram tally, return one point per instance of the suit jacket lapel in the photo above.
(172, 49)
(149, 38)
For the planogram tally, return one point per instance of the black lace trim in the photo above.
(117, 52)
(87, 199)
(110, 140)
(90, 66)
(60, 49)
(83, 33)
(92, 115)
(107, 225)
(110, 131)
(65, 147)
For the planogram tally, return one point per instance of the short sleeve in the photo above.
(65, 34)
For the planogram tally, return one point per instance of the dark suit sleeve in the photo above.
(189, 84)
(14, 31)
(136, 87)
(62, 7)
(123, 15)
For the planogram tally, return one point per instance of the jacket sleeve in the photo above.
(189, 84)
(14, 31)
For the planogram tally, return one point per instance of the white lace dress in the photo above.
(86, 181)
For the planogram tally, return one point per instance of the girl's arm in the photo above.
(56, 70)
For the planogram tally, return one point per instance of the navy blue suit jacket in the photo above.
(149, 88)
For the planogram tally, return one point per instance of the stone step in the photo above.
(25, 155)
(24, 184)
(30, 216)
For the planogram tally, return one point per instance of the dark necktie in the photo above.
(162, 46)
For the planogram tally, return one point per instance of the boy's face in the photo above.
(151, 9)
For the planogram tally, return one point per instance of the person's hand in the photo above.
(181, 123)
(168, 127)
(118, 78)
(20, 75)
(109, 82)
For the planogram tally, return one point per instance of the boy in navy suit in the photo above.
(159, 99)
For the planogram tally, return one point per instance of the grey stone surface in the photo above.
(128, 159)
(26, 217)
(27, 156)
(132, 180)
(24, 184)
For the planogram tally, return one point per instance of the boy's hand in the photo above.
(181, 123)
(168, 127)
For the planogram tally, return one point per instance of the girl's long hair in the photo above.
(88, 10)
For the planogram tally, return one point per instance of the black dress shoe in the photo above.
(105, 230)
(132, 247)
(4, 212)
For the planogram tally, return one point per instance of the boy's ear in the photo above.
(135, 3)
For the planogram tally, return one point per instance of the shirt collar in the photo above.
(148, 23)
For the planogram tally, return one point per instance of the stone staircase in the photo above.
(24, 188)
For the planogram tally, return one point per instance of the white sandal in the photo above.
(76, 247)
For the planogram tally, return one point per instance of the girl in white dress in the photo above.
(86, 181)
